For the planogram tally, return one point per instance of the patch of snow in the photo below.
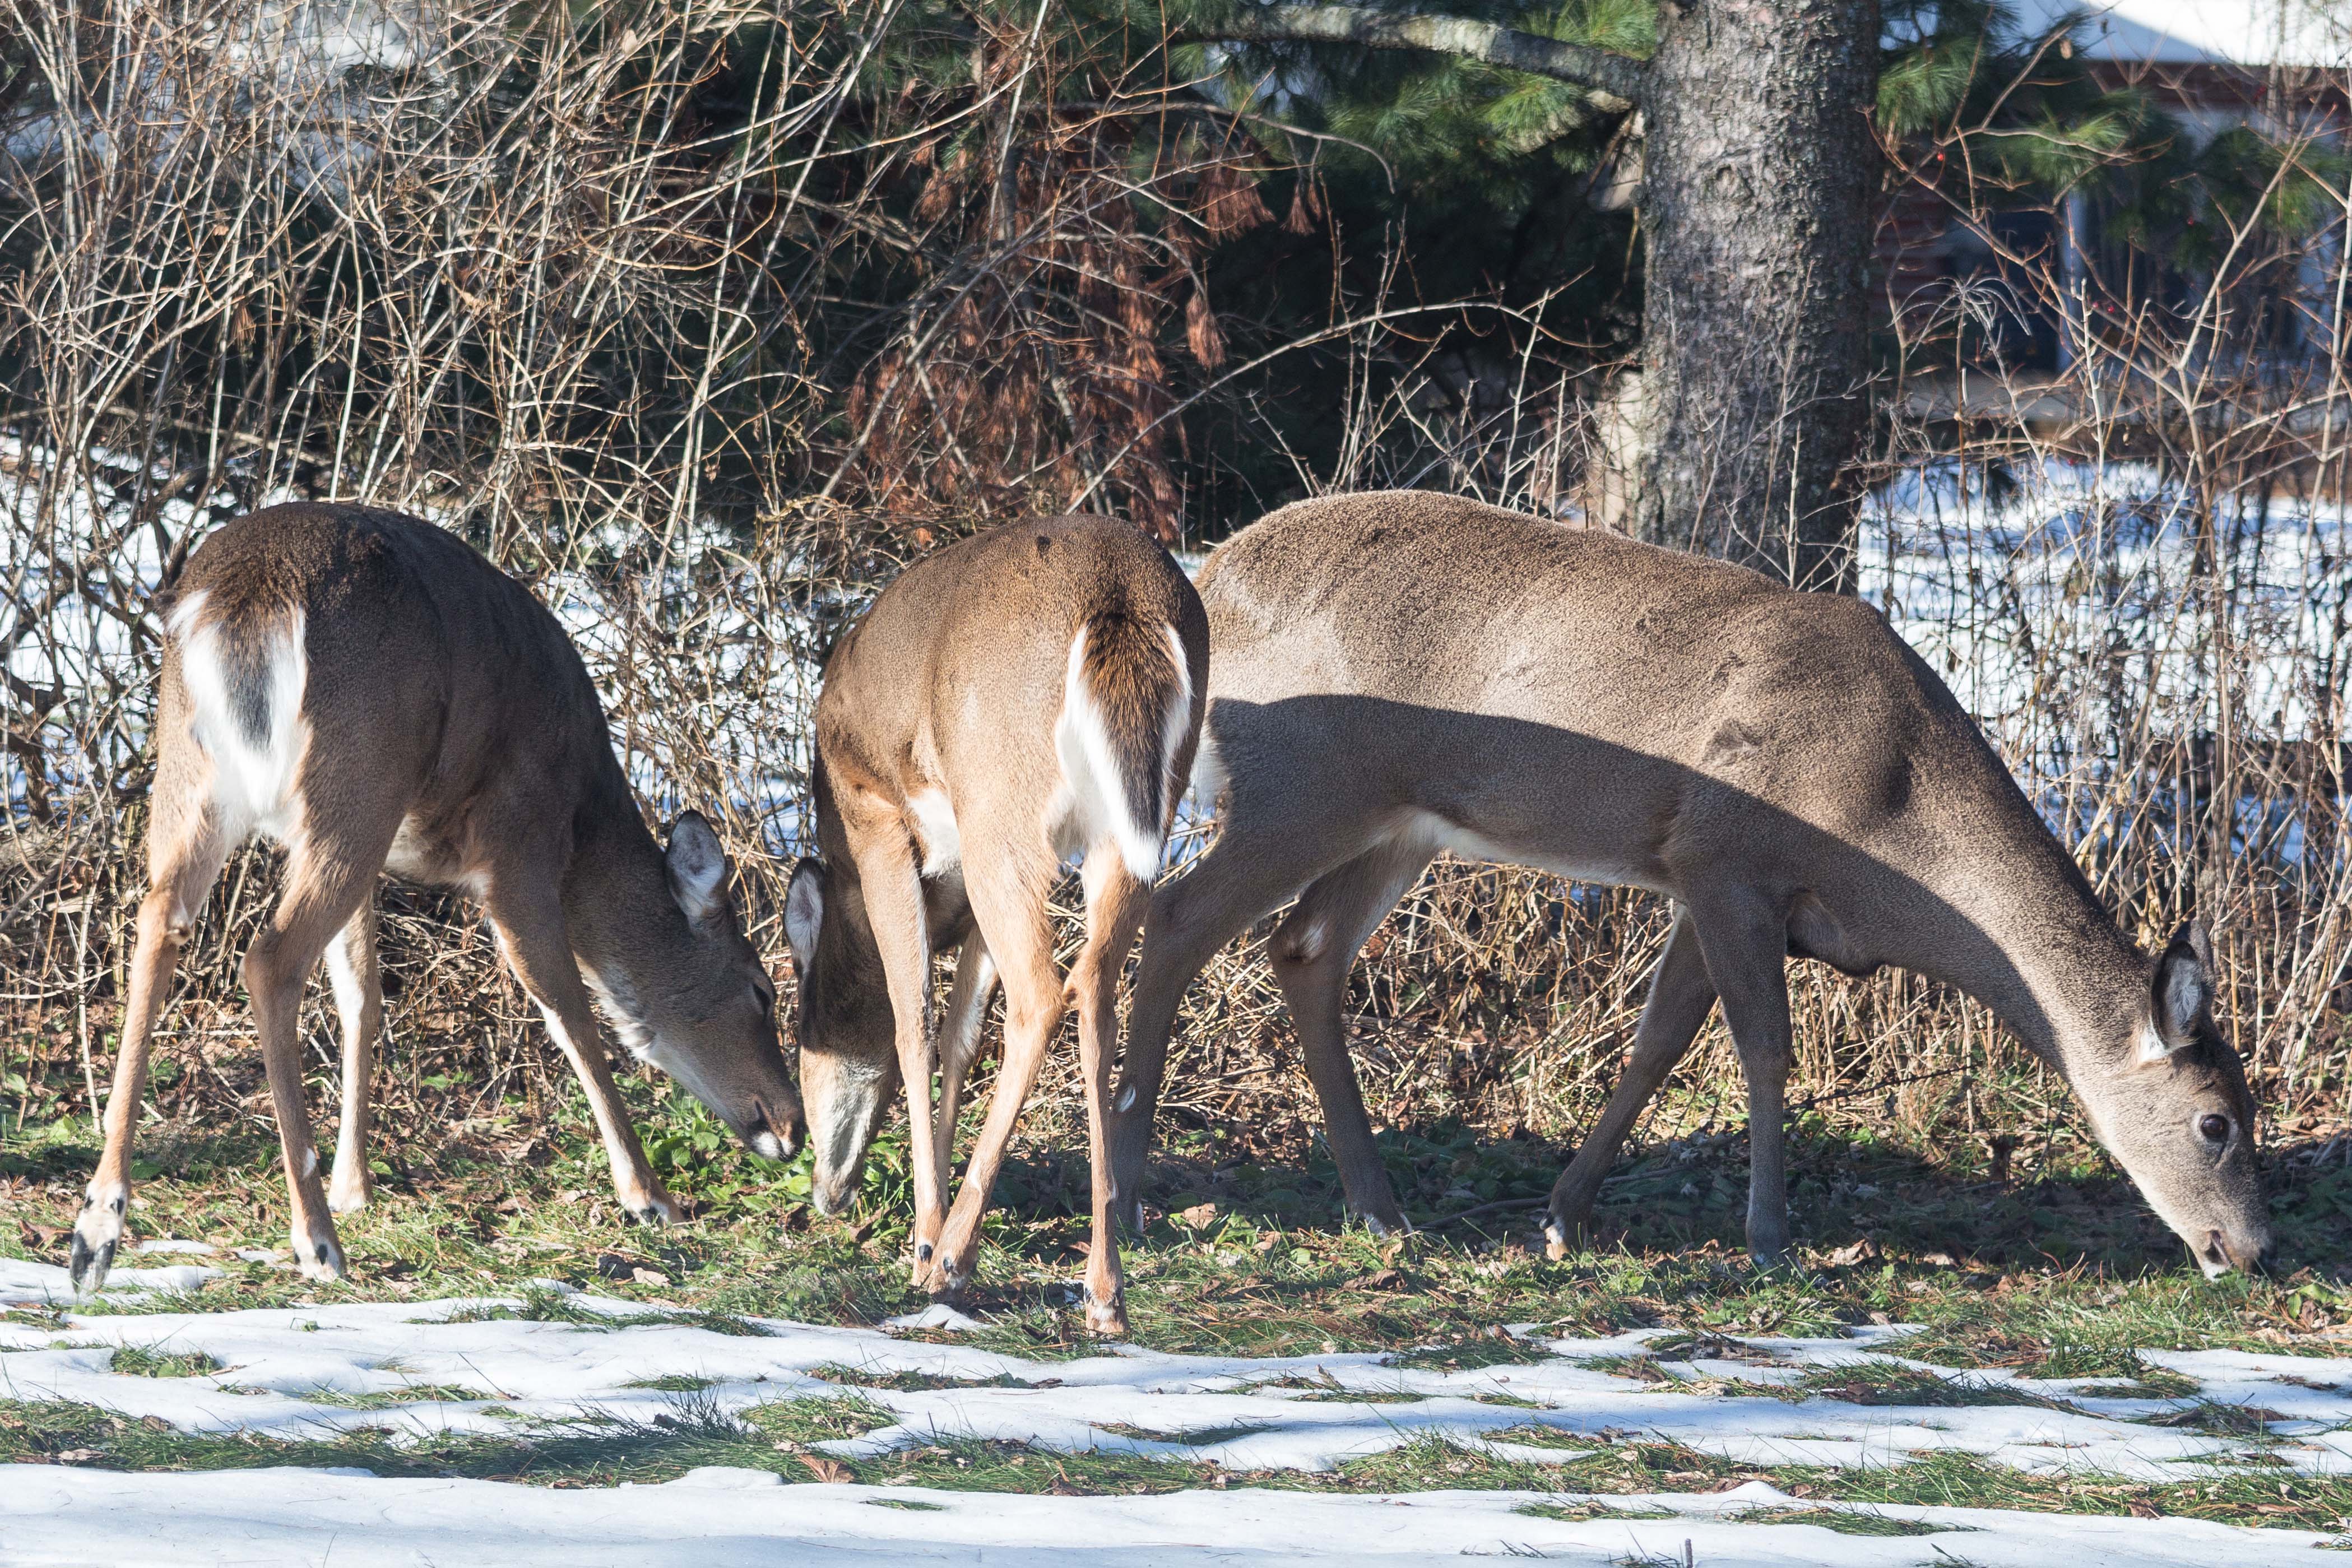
(288, 1372)
(938, 1315)
(51, 1514)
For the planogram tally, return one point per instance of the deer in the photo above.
(1394, 675)
(1025, 695)
(367, 692)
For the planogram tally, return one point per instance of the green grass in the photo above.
(1849, 1521)
(143, 1360)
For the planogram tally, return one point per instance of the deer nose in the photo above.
(779, 1137)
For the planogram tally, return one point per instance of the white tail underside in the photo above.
(1096, 791)
(253, 783)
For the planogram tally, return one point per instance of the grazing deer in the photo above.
(1400, 674)
(1023, 695)
(368, 691)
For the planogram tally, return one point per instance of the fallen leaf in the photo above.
(833, 1472)
(648, 1276)
(78, 1455)
(1379, 1279)
(1196, 1216)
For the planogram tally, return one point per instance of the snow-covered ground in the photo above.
(282, 1369)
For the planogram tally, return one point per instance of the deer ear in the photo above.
(698, 867)
(804, 910)
(2180, 992)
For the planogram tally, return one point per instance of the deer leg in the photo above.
(1008, 899)
(1312, 952)
(537, 943)
(960, 1031)
(1245, 875)
(327, 881)
(1680, 997)
(1745, 947)
(358, 1001)
(191, 848)
(1115, 905)
(892, 885)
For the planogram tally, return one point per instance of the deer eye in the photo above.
(2214, 1126)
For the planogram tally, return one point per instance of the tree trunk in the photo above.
(1756, 208)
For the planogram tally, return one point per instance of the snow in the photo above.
(285, 1369)
(712, 1519)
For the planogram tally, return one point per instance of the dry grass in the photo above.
(677, 314)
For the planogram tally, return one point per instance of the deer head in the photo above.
(849, 1065)
(692, 998)
(2169, 1098)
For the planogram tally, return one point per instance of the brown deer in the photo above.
(1398, 674)
(1021, 696)
(366, 690)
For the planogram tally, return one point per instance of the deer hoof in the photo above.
(97, 1232)
(1106, 1320)
(320, 1257)
(658, 1209)
(347, 1197)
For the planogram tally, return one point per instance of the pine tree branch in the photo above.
(1614, 82)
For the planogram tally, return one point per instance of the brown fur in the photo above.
(453, 736)
(1398, 673)
(940, 710)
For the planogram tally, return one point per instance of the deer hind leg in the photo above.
(538, 946)
(186, 844)
(329, 877)
(358, 1001)
(1115, 906)
(1680, 997)
(1248, 873)
(891, 883)
(1007, 887)
(960, 1032)
(1745, 946)
(1312, 952)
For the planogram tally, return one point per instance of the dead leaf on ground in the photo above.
(1197, 1216)
(833, 1472)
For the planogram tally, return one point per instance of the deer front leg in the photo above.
(1680, 996)
(359, 1002)
(538, 948)
(960, 1032)
(1312, 954)
(1746, 948)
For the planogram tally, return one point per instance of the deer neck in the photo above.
(621, 914)
(2034, 944)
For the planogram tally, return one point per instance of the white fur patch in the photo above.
(1175, 722)
(254, 786)
(1094, 795)
(2153, 1047)
(935, 830)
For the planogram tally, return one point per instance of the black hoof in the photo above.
(88, 1268)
